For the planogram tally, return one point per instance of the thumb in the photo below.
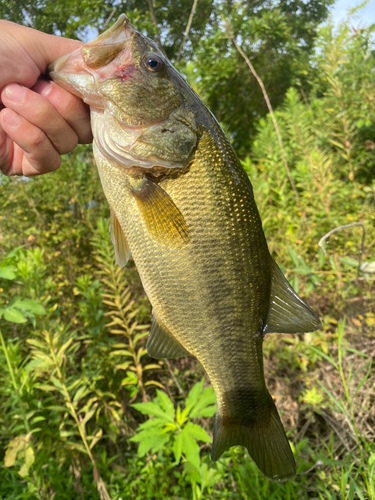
(51, 47)
(32, 47)
(47, 48)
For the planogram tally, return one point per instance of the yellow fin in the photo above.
(264, 438)
(122, 252)
(288, 313)
(164, 220)
(161, 344)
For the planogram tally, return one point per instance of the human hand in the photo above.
(39, 121)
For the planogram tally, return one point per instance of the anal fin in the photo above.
(161, 344)
(122, 252)
(287, 312)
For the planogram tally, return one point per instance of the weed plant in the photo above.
(86, 414)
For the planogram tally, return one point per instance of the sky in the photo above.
(365, 17)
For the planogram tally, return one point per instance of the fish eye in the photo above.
(153, 62)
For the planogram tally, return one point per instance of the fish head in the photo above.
(139, 102)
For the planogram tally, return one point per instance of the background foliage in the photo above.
(84, 412)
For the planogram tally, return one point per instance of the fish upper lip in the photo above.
(121, 30)
(51, 67)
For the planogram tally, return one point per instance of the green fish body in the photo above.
(183, 207)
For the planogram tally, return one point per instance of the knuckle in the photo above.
(54, 165)
(68, 145)
(85, 137)
(73, 105)
(38, 138)
(48, 164)
(6, 170)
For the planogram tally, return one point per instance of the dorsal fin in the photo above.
(288, 313)
(122, 252)
(161, 344)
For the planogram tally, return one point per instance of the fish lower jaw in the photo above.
(138, 166)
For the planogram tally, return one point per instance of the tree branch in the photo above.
(187, 29)
(229, 31)
(151, 4)
(109, 18)
(345, 226)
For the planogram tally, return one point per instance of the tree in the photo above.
(278, 38)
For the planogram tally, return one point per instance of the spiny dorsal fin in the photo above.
(288, 313)
(122, 252)
(164, 220)
(161, 344)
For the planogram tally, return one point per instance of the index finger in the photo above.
(69, 106)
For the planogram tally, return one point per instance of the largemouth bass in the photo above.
(183, 207)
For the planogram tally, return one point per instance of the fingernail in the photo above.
(15, 92)
(11, 118)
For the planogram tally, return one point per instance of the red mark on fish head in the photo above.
(125, 71)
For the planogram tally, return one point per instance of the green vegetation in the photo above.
(84, 412)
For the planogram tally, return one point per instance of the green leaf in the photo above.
(80, 393)
(177, 447)
(153, 422)
(166, 404)
(88, 415)
(64, 347)
(76, 446)
(8, 273)
(294, 256)
(208, 411)
(37, 365)
(147, 434)
(37, 419)
(202, 407)
(121, 352)
(58, 408)
(29, 305)
(192, 473)
(151, 409)
(36, 343)
(194, 394)
(14, 316)
(96, 438)
(155, 443)
(46, 387)
(197, 432)
(190, 449)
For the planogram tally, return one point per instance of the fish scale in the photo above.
(183, 207)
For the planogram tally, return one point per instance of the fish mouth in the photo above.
(75, 71)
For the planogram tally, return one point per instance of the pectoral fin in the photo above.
(161, 344)
(122, 252)
(288, 313)
(164, 220)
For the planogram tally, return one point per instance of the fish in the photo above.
(183, 207)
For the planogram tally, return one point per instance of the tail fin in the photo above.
(265, 440)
